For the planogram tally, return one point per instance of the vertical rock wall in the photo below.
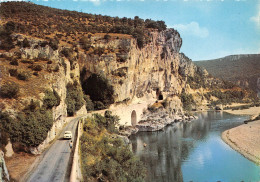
(135, 72)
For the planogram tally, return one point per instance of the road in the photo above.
(55, 164)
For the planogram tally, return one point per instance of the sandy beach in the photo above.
(245, 138)
(252, 111)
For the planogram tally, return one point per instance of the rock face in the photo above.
(54, 81)
(4, 175)
(135, 72)
(162, 114)
(139, 76)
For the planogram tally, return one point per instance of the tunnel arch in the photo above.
(133, 118)
(160, 97)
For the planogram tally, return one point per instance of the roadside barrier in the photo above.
(75, 175)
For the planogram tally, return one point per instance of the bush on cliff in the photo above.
(24, 75)
(30, 127)
(226, 96)
(187, 101)
(89, 103)
(105, 157)
(51, 99)
(5, 36)
(85, 43)
(74, 98)
(9, 90)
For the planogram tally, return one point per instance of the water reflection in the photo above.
(165, 150)
(168, 150)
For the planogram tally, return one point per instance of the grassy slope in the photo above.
(234, 68)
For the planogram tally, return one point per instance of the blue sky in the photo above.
(209, 28)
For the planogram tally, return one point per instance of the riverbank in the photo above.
(245, 138)
(252, 111)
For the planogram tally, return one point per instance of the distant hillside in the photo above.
(243, 70)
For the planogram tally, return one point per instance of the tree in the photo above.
(74, 98)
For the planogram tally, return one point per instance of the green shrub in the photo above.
(30, 127)
(14, 62)
(98, 105)
(187, 101)
(23, 75)
(54, 44)
(26, 43)
(226, 97)
(9, 90)
(5, 36)
(74, 98)
(51, 99)
(85, 43)
(33, 106)
(107, 121)
(89, 103)
(43, 43)
(35, 73)
(197, 81)
(13, 72)
(37, 68)
(114, 161)
(107, 37)
(67, 52)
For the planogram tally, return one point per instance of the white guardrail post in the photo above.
(75, 175)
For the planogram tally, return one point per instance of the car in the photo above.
(67, 135)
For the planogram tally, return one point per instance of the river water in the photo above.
(194, 151)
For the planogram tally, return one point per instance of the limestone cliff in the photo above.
(56, 75)
(135, 72)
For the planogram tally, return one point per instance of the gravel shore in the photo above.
(245, 138)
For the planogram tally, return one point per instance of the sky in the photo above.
(209, 29)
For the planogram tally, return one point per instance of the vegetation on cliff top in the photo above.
(105, 157)
(31, 19)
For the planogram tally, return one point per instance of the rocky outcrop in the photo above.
(53, 80)
(4, 175)
(162, 114)
(135, 72)
(157, 124)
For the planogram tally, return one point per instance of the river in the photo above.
(194, 151)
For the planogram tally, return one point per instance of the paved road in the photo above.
(56, 162)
